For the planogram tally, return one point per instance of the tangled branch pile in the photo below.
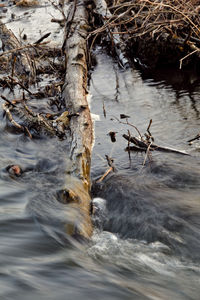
(157, 31)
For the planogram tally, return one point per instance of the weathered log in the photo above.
(81, 137)
(76, 118)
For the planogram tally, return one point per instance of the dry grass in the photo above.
(141, 17)
(156, 21)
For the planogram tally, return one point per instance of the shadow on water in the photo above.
(184, 82)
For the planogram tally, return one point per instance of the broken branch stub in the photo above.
(81, 130)
(103, 11)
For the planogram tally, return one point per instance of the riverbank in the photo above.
(156, 33)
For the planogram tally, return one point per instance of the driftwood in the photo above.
(142, 146)
(81, 137)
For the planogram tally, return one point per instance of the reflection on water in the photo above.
(185, 85)
(147, 236)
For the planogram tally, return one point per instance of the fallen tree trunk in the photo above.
(81, 130)
(76, 118)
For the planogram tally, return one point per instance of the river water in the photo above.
(147, 237)
(146, 242)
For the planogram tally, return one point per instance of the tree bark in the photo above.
(81, 129)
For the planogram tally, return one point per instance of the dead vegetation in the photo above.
(45, 95)
(157, 32)
(27, 3)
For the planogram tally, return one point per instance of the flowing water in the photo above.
(146, 242)
(147, 235)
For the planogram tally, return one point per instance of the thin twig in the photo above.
(127, 123)
(147, 153)
(128, 147)
(10, 117)
(22, 48)
(186, 56)
(42, 38)
(104, 175)
(20, 84)
(197, 137)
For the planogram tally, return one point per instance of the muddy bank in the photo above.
(157, 33)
